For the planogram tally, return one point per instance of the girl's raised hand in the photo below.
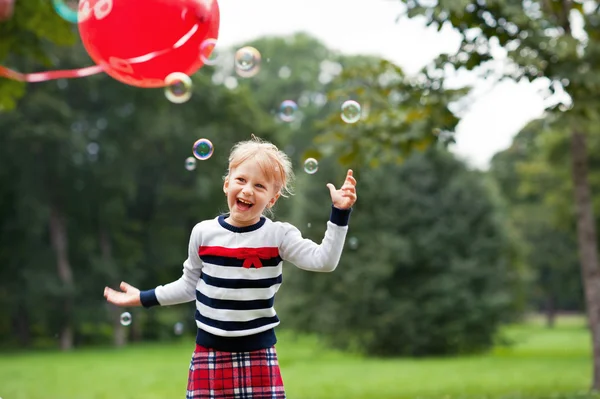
(345, 197)
(130, 296)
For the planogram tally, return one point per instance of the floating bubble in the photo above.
(178, 328)
(247, 62)
(67, 9)
(190, 163)
(179, 87)
(309, 225)
(126, 319)
(311, 166)
(287, 111)
(285, 72)
(208, 55)
(203, 149)
(353, 242)
(351, 111)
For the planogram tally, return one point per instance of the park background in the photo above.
(460, 279)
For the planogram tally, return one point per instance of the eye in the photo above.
(240, 179)
(260, 186)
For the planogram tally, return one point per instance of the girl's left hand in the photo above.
(345, 197)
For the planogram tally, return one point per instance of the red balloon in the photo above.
(141, 42)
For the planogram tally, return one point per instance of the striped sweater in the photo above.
(233, 274)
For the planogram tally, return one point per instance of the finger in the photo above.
(350, 173)
(351, 180)
(117, 298)
(348, 187)
(124, 286)
(111, 295)
(331, 188)
(348, 195)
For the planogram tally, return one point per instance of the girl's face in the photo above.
(249, 192)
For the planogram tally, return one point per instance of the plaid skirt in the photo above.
(234, 375)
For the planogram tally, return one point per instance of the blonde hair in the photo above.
(274, 163)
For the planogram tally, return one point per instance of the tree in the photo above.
(428, 267)
(417, 120)
(106, 161)
(533, 187)
(399, 114)
(539, 40)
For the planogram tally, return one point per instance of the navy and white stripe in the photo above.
(233, 274)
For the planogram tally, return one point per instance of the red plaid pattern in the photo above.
(234, 375)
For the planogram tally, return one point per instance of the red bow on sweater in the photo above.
(251, 256)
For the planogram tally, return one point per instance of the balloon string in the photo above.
(87, 71)
(49, 75)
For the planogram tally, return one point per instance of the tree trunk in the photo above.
(588, 250)
(119, 331)
(21, 325)
(550, 310)
(59, 240)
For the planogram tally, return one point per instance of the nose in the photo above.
(247, 190)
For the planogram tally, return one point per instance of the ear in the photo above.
(273, 200)
(226, 184)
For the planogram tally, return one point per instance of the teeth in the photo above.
(244, 201)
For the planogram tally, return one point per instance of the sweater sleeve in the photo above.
(184, 289)
(307, 254)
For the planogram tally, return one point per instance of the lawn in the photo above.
(541, 363)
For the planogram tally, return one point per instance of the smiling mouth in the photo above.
(244, 204)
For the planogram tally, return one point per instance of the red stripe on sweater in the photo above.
(251, 256)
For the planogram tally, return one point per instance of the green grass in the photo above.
(541, 363)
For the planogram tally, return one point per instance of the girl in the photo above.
(234, 270)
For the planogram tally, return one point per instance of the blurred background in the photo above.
(471, 262)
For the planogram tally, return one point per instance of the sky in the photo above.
(369, 27)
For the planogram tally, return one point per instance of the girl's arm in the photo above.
(308, 255)
(323, 257)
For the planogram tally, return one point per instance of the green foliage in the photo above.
(112, 158)
(26, 37)
(431, 273)
(556, 43)
(541, 38)
(399, 114)
(539, 194)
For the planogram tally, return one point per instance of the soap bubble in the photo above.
(126, 319)
(351, 111)
(178, 87)
(208, 55)
(67, 10)
(287, 111)
(353, 242)
(311, 166)
(178, 328)
(247, 62)
(190, 163)
(203, 149)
